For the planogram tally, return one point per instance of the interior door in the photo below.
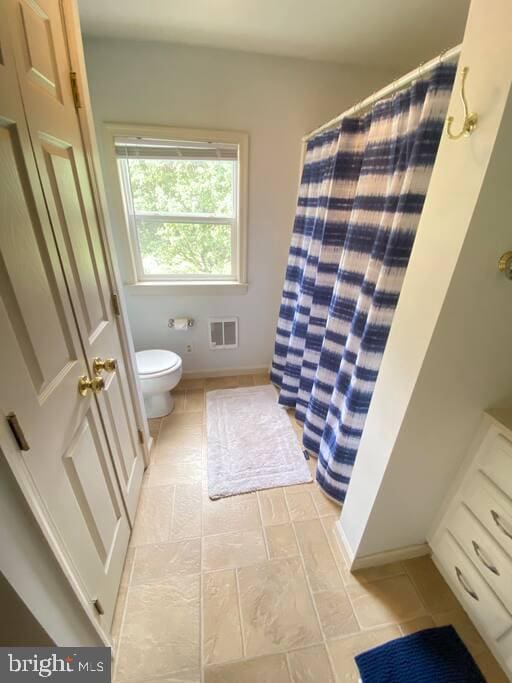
(42, 62)
(67, 473)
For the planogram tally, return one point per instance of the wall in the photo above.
(276, 100)
(448, 355)
(18, 626)
(31, 570)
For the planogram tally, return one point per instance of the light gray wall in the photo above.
(18, 627)
(276, 100)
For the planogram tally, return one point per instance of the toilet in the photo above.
(159, 371)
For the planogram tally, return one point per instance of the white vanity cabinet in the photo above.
(472, 542)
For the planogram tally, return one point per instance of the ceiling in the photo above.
(374, 33)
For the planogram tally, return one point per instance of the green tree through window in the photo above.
(185, 248)
(189, 194)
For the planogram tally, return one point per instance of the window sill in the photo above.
(191, 288)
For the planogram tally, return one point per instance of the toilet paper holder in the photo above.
(190, 322)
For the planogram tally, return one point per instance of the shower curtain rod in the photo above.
(393, 87)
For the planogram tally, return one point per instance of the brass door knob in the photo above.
(104, 364)
(95, 385)
(505, 264)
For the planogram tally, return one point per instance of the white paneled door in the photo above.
(43, 71)
(84, 463)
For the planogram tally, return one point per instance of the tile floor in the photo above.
(255, 589)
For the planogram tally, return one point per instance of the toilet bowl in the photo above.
(159, 371)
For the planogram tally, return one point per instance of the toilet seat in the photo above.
(156, 362)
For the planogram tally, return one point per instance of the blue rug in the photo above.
(436, 654)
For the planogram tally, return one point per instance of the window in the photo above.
(184, 205)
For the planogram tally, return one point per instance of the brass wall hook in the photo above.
(470, 119)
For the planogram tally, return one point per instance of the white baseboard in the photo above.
(151, 443)
(226, 372)
(377, 559)
(395, 555)
(345, 547)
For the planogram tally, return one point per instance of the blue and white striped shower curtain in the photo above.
(362, 192)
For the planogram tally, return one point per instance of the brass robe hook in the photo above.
(470, 119)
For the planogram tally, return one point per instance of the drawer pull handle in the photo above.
(464, 585)
(499, 524)
(478, 552)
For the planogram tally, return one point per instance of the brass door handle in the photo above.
(95, 385)
(505, 264)
(104, 364)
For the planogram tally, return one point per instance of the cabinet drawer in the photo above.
(491, 507)
(470, 587)
(496, 463)
(488, 557)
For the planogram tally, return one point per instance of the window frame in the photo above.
(134, 272)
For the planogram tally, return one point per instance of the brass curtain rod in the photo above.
(393, 87)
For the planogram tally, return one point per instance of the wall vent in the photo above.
(223, 333)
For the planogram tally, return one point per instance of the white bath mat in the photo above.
(251, 443)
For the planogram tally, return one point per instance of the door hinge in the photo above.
(115, 304)
(141, 436)
(98, 607)
(74, 89)
(17, 432)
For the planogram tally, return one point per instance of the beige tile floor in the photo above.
(254, 588)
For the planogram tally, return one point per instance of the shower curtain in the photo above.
(362, 191)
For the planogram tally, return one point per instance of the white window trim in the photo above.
(134, 279)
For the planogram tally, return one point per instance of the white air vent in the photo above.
(223, 333)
